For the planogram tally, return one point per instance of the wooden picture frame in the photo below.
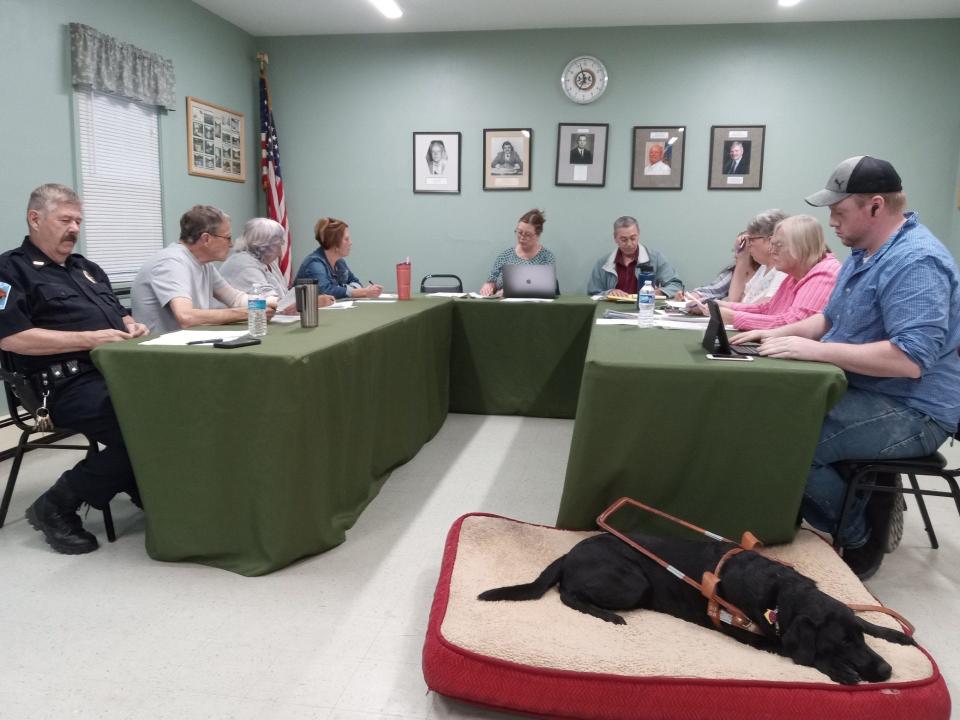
(658, 156)
(589, 167)
(216, 141)
(507, 158)
(436, 162)
(736, 157)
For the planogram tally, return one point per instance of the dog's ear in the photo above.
(799, 641)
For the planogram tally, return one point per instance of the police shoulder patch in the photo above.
(4, 294)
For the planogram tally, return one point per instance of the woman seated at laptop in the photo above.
(798, 251)
(254, 261)
(327, 266)
(527, 251)
(751, 277)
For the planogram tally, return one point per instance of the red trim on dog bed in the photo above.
(552, 693)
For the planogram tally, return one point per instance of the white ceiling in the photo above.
(333, 17)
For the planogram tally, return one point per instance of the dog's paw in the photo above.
(838, 671)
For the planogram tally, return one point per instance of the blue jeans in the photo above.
(863, 425)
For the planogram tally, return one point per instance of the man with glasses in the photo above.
(893, 325)
(616, 274)
(176, 287)
(55, 307)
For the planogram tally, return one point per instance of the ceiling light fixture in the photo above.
(788, 3)
(389, 8)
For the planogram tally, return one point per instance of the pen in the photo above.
(205, 342)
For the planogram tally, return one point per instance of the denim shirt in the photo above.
(336, 281)
(908, 292)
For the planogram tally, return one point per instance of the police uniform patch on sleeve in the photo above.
(4, 294)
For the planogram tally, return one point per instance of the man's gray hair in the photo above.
(259, 234)
(625, 221)
(764, 222)
(198, 220)
(46, 197)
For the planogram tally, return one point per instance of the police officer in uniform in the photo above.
(55, 307)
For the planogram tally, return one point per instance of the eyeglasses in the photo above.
(525, 235)
(751, 238)
(228, 238)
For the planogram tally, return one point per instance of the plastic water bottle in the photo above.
(257, 312)
(646, 301)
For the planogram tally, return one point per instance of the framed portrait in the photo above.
(582, 154)
(736, 157)
(507, 154)
(657, 157)
(436, 162)
(213, 134)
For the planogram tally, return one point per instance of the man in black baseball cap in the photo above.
(860, 174)
(893, 325)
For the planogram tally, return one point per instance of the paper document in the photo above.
(671, 324)
(388, 296)
(285, 319)
(527, 299)
(448, 294)
(339, 305)
(184, 337)
(617, 321)
(478, 296)
(377, 300)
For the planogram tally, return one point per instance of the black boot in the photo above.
(55, 515)
(866, 560)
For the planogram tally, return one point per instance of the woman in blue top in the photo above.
(527, 251)
(327, 266)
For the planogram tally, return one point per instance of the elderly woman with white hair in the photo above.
(255, 259)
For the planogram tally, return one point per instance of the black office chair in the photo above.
(441, 283)
(862, 475)
(21, 396)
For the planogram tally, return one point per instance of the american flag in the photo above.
(270, 172)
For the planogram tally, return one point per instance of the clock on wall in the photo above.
(584, 79)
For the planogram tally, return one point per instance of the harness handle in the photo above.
(734, 616)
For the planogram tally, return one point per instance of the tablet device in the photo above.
(715, 339)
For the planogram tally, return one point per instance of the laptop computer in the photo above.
(529, 281)
(715, 339)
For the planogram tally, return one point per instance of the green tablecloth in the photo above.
(512, 358)
(725, 445)
(249, 459)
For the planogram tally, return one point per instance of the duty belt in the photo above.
(55, 373)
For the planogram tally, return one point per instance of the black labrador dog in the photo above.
(603, 574)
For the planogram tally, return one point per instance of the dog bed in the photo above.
(543, 659)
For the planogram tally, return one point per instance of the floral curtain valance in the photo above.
(108, 65)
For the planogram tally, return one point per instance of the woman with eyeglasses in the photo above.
(798, 251)
(751, 278)
(255, 262)
(527, 251)
(327, 266)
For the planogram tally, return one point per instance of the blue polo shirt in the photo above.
(908, 292)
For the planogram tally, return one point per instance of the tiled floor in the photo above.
(338, 636)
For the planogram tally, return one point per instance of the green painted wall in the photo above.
(346, 107)
(213, 60)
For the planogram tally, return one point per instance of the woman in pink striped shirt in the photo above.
(811, 269)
